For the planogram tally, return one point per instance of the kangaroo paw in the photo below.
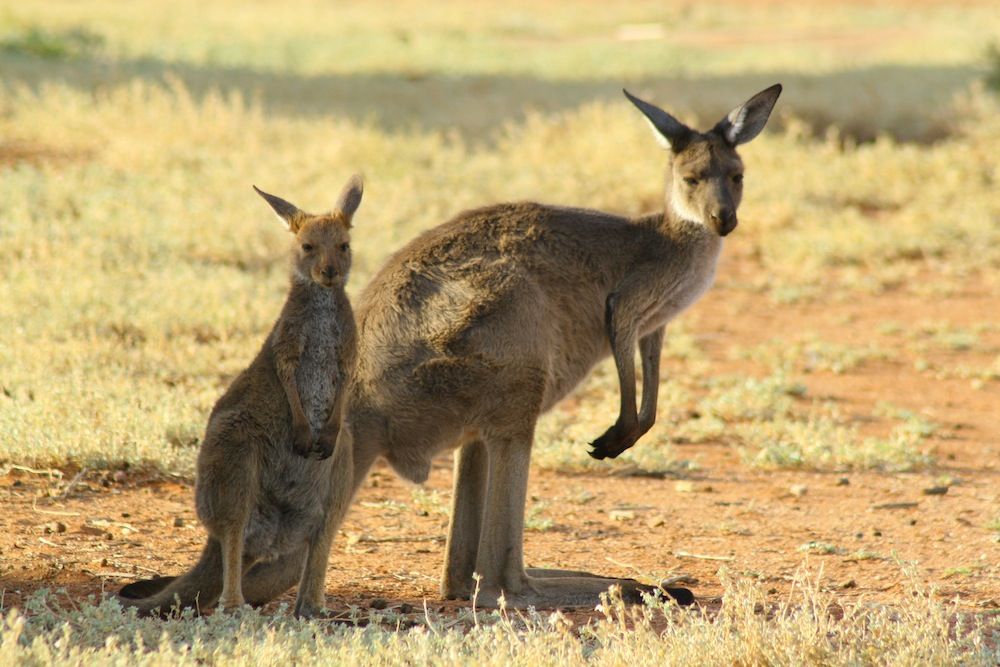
(323, 449)
(612, 443)
(302, 440)
(327, 440)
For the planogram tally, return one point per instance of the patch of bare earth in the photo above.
(95, 532)
(15, 152)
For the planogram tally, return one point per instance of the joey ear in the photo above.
(287, 212)
(670, 132)
(747, 120)
(350, 196)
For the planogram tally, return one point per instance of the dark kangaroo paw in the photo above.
(611, 444)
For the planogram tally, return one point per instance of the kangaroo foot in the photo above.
(305, 609)
(573, 591)
(231, 604)
(682, 596)
(309, 612)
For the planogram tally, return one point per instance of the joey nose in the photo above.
(329, 272)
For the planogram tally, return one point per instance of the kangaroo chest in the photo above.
(584, 340)
(679, 293)
(318, 374)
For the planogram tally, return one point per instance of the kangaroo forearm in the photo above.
(287, 349)
(623, 341)
(295, 402)
(626, 381)
(649, 349)
(286, 374)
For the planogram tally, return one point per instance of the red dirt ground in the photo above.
(95, 533)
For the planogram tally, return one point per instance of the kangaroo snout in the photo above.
(326, 276)
(724, 221)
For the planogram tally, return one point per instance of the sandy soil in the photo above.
(93, 532)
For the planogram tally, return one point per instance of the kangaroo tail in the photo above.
(199, 587)
(144, 587)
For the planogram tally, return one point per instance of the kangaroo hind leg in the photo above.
(351, 461)
(465, 526)
(500, 555)
(265, 581)
(226, 491)
(232, 566)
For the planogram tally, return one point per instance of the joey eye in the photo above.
(737, 178)
(691, 181)
(307, 247)
(344, 247)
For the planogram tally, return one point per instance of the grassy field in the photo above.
(139, 272)
(798, 631)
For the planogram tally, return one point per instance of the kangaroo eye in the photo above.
(344, 247)
(691, 180)
(737, 178)
(307, 247)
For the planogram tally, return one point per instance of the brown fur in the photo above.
(259, 492)
(478, 326)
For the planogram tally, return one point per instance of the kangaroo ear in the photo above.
(350, 196)
(288, 213)
(746, 121)
(669, 132)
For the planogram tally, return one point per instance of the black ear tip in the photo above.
(777, 88)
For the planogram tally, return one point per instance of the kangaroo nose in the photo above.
(329, 272)
(725, 220)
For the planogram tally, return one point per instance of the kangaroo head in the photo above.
(322, 250)
(704, 182)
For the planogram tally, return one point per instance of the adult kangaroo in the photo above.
(477, 327)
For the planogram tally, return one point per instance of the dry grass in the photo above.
(807, 628)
